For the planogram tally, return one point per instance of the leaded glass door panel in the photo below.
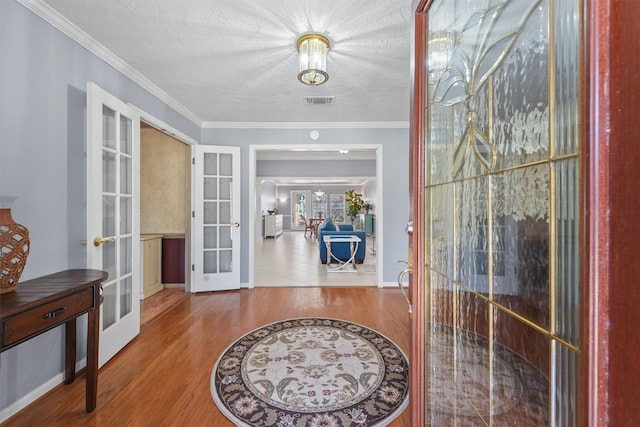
(497, 128)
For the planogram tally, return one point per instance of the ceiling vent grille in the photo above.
(319, 100)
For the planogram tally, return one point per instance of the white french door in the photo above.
(113, 233)
(216, 218)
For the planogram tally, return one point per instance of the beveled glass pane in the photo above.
(226, 265)
(108, 127)
(225, 237)
(126, 256)
(210, 212)
(441, 137)
(210, 237)
(565, 410)
(210, 260)
(125, 175)
(109, 216)
(520, 95)
(471, 233)
(210, 164)
(520, 373)
(471, 312)
(211, 188)
(125, 135)
(567, 240)
(126, 296)
(225, 212)
(226, 164)
(109, 259)
(441, 226)
(108, 309)
(225, 188)
(109, 172)
(471, 364)
(566, 16)
(441, 296)
(520, 212)
(126, 215)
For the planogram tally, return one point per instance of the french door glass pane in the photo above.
(210, 212)
(109, 305)
(226, 265)
(109, 128)
(126, 296)
(210, 164)
(126, 213)
(126, 257)
(126, 172)
(210, 237)
(226, 164)
(109, 174)
(210, 188)
(109, 259)
(109, 215)
(225, 237)
(210, 259)
(125, 135)
(225, 188)
(225, 213)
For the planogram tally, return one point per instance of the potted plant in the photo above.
(356, 203)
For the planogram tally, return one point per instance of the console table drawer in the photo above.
(24, 325)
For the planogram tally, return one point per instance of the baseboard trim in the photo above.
(34, 395)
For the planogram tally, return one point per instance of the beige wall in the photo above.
(164, 183)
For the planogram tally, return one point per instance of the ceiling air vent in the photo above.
(319, 100)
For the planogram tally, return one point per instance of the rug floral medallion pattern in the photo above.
(311, 372)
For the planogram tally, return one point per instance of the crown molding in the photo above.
(58, 21)
(305, 125)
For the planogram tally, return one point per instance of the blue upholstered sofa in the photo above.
(340, 250)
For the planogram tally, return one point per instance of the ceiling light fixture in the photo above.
(313, 50)
(319, 193)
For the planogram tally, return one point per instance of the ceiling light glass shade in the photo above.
(313, 50)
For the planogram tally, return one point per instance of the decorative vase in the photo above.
(14, 247)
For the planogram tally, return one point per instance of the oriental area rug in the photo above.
(311, 372)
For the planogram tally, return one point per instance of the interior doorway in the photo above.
(165, 206)
(375, 245)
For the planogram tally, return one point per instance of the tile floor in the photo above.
(292, 259)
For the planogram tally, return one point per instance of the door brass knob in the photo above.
(99, 240)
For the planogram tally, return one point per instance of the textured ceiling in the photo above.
(236, 60)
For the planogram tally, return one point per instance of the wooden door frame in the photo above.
(417, 293)
(611, 169)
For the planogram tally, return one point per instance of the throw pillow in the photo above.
(329, 226)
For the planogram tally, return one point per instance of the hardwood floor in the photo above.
(162, 377)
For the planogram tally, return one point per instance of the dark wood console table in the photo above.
(46, 302)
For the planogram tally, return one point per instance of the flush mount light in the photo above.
(313, 50)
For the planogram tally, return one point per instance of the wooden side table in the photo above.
(46, 302)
